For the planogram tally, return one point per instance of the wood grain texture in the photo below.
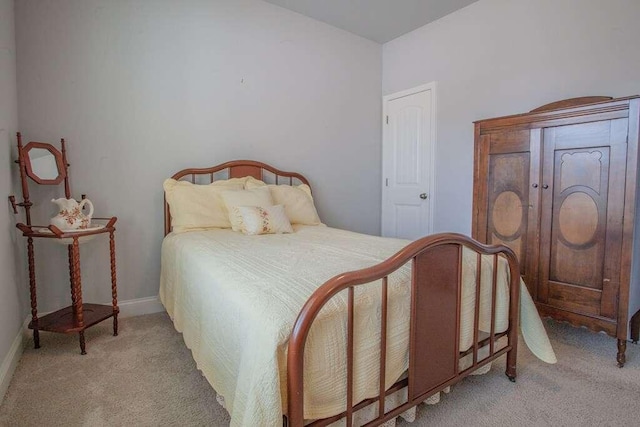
(78, 316)
(434, 318)
(582, 170)
(33, 292)
(573, 102)
(63, 320)
(61, 165)
(114, 283)
(634, 327)
(236, 169)
(435, 325)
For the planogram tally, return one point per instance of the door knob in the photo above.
(423, 196)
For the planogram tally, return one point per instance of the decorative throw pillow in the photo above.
(297, 201)
(197, 207)
(260, 196)
(263, 220)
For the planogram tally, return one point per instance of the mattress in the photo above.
(235, 299)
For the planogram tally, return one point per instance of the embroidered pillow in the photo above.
(197, 207)
(263, 220)
(297, 201)
(253, 197)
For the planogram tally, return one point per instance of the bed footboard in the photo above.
(434, 334)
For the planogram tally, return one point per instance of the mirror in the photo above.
(44, 163)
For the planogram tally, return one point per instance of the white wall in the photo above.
(142, 89)
(501, 57)
(10, 298)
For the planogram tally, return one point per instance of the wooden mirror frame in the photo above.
(26, 170)
(62, 170)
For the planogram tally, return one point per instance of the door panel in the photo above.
(406, 166)
(582, 203)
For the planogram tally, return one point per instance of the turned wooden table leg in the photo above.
(72, 282)
(114, 287)
(622, 348)
(83, 350)
(32, 292)
(76, 292)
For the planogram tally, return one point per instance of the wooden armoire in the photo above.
(558, 185)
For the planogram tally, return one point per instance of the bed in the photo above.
(321, 325)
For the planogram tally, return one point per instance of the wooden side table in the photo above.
(78, 316)
(44, 164)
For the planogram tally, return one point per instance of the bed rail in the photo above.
(434, 353)
(232, 169)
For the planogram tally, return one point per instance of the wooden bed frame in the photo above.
(436, 287)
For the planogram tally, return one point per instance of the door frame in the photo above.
(432, 86)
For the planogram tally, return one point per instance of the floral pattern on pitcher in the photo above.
(74, 215)
(70, 216)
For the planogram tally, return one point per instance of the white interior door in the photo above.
(407, 163)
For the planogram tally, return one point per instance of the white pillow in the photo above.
(240, 181)
(297, 201)
(263, 220)
(197, 207)
(251, 182)
(254, 197)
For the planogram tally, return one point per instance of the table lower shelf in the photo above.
(63, 320)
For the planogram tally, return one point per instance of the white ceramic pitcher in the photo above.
(70, 216)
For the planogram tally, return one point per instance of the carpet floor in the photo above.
(146, 377)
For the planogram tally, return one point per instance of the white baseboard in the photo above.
(140, 306)
(10, 362)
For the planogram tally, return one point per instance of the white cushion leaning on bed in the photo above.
(235, 299)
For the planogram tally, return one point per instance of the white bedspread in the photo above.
(235, 299)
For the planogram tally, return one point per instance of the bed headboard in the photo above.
(233, 169)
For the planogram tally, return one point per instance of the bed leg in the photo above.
(511, 366)
(621, 357)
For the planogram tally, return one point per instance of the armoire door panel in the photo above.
(582, 203)
(510, 142)
(508, 192)
(508, 202)
(579, 216)
(574, 298)
(582, 135)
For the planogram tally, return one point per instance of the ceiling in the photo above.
(377, 20)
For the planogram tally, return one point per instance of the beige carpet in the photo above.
(146, 377)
